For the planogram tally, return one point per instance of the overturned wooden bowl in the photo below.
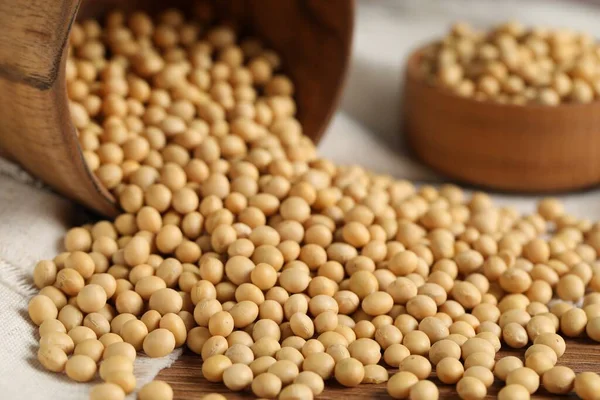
(313, 38)
(527, 148)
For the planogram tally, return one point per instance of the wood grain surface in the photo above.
(36, 128)
(185, 376)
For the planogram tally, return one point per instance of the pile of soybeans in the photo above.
(282, 270)
(514, 64)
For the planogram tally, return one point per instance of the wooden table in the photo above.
(185, 376)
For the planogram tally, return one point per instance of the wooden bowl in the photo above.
(507, 147)
(313, 38)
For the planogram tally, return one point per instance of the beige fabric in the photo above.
(32, 223)
(33, 220)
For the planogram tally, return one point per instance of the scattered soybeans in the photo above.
(283, 270)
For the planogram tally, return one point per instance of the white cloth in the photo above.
(365, 131)
(32, 224)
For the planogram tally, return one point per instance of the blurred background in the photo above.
(386, 31)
